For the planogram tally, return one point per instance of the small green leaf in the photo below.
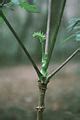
(69, 37)
(29, 7)
(23, 4)
(74, 36)
(74, 28)
(74, 22)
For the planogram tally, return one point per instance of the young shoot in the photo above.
(42, 38)
(43, 77)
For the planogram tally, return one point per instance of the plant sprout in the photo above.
(47, 43)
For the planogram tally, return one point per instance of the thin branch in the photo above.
(63, 64)
(56, 30)
(21, 44)
(48, 27)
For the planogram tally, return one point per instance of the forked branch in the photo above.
(63, 64)
(21, 44)
(56, 30)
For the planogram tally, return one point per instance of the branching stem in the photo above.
(63, 64)
(56, 30)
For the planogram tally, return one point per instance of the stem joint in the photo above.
(40, 108)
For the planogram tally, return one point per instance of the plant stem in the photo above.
(21, 44)
(41, 107)
(56, 30)
(63, 64)
(43, 48)
(48, 27)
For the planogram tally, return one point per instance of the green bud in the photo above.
(40, 36)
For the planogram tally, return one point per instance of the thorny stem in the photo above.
(63, 64)
(48, 27)
(21, 44)
(40, 108)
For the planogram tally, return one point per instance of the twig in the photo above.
(21, 44)
(63, 64)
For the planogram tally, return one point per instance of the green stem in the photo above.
(63, 64)
(21, 44)
(43, 48)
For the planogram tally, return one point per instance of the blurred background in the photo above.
(18, 80)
